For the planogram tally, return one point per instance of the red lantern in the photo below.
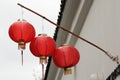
(66, 57)
(43, 46)
(21, 32)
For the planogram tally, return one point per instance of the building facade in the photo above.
(97, 21)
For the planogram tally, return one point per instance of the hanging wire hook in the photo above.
(114, 58)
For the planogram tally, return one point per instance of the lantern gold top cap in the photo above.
(21, 20)
(42, 34)
(64, 44)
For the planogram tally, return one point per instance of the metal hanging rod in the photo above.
(116, 59)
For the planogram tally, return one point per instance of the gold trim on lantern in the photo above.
(43, 59)
(65, 44)
(21, 45)
(21, 20)
(42, 34)
(67, 71)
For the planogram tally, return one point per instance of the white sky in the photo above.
(10, 58)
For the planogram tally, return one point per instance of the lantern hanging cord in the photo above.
(22, 13)
(106, 52)
(42, 26)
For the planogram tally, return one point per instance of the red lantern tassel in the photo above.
(22, 57)
(42, 71)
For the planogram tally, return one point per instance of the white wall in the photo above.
(102, 27)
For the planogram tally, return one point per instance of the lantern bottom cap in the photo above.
(67, 71)
(21, 45)
(43, 59)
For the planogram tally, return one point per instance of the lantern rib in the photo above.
(46, 45)
(12, 31)
(73, 57)
(64, 59)
(21, 30)
(83, 39)
(37, 47)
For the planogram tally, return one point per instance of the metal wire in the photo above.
(106, 52)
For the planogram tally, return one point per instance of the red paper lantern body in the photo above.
(43, 46)
(21, 32)
(66, 56)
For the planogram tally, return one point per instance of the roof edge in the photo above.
(62, 6)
